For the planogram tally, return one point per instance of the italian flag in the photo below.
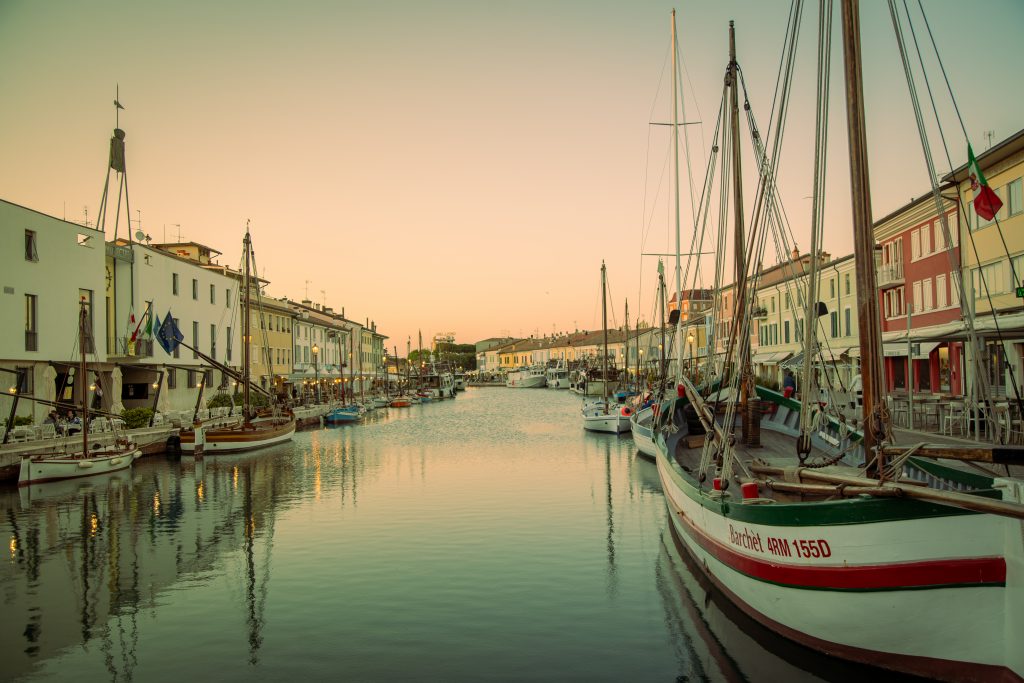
(986, 202)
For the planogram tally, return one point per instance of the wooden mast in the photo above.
(604, 327)
(661, 313)
(740, 308)
(82, 319)
(863, 239)
(246, 325)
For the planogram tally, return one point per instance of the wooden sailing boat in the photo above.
(255, 431)
(907, 563)
(604, 415)
(46, 467)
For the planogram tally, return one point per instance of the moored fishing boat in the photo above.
(858, 547)
(557, 374)
(532, 377)
(254, 431)
(93, 459)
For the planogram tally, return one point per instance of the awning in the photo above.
(921, 350)
(770, 358)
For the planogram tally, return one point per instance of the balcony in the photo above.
(759, 313)
(889, 275)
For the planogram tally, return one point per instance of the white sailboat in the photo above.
(605, 415)
(55, 466)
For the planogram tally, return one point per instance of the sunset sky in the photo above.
(452, 165)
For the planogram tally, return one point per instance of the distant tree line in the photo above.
(458, 355)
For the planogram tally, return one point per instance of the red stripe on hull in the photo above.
(930, 667)
(890, 576)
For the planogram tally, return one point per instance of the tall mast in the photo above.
(604, 327)
(626, 345)
(740, 288)
(246, 324)
(661, 313)
(863, 237)
(675, 173)
(82, 319)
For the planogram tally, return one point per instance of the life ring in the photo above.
(626, 411)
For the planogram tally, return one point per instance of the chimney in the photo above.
(307, 302)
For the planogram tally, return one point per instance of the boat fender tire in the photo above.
(626, 411)
(173, 445)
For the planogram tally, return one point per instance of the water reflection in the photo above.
(437, 542)
(107, 546)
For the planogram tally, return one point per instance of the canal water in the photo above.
(487, 538)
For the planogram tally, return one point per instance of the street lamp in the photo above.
(689, 338)
(316, 370)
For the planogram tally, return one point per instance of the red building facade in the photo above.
(919, 297)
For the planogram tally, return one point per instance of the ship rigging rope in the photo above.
(739, 339)
(817, 221)
(980, 369)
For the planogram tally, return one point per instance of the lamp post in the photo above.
(316, 370)
(689, 338)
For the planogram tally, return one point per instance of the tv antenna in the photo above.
(141, 236)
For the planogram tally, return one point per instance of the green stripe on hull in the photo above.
(861, 510)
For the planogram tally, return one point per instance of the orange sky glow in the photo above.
(454, 166)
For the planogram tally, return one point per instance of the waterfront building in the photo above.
(322, 344)
(150, 281)
(993, 264)
(486, 357)
(919, 298)
(48, 265)
(272, 346)
(778, 315)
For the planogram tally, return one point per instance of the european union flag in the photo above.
(168, 335)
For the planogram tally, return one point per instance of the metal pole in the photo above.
(910, 371)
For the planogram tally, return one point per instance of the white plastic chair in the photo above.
(47, 431)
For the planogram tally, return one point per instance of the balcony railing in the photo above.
(889, 275)
(759, 312)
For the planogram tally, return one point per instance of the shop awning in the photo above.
(770, 358)
(921, 350)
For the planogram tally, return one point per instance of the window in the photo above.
(177, 349)
(227, 297)
(940, 237)
(954, 291)
(27, 380)
(997, 368)
(195, 338)
(989, 279)
(213, 294)
(174, 284)
(172, 378)
(926, 303)
(915, 244)
(834, 319)
(926, 240)
(195, 289)
(832, 288)
(31, 323)
(213, 342)
(193, 378)
(847, 284)
(940, 291)
(228, 356)
(917, 297)
(1014, 198)
(785, 331)
(86, 296)
(849, 328)
(31, 253)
